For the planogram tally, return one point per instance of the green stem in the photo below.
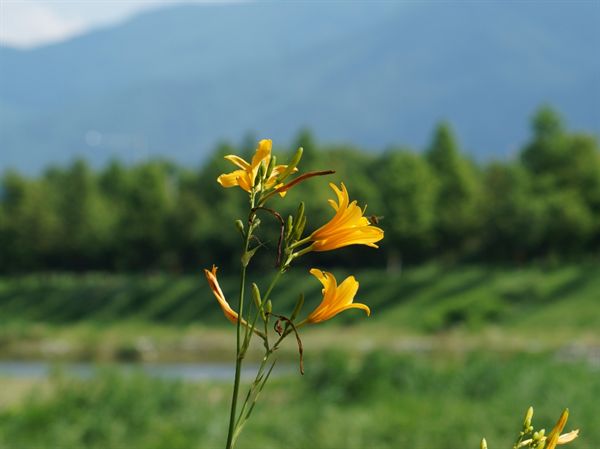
(238, 354)
(300, 242)
(272, 285)
(238, 364)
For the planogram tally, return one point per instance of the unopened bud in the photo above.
(528, 417)
(300, 212)
(255, 223)
(483, 444)
(270, 167)
(240, 226)
(260, 175)
(292, 165)
(257, 300)
(269, 306)
(289, 226)
(300, 228)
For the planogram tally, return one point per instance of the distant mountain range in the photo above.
(174, 82)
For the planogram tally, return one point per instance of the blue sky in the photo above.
(28, 23)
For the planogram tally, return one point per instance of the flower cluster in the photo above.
(263, 180)
(529, 438)
(347, 227)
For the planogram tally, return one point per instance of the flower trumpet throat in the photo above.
(336, 298)
(245, 176)
(347, 227)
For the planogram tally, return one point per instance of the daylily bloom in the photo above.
(555, 437)
(245, 176)
(336, 298)
(347, 227)
(211, 277)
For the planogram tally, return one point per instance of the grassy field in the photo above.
(428, 298)
(377, 400)
(450, 354)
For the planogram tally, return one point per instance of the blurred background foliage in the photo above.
(376, 400)
(436, 204)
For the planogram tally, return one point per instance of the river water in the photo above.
(182, 371)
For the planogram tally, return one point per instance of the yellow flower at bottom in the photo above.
(555, 437)
(347, 227)
(336, 298)
(211, 277)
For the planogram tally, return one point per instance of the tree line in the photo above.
(437, 203)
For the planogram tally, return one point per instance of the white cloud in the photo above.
(26, 24)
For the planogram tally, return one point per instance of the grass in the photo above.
(161, 317)
(450, 354)
(427, 299)
(374, 400)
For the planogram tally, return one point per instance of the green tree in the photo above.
(148, 203)
(565, 168)
(408, 192)
(30, 225)
(86, 222)
(458, 215)
(515, 218)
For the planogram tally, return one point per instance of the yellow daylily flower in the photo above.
(347, 227)
(336, 298)
(555, 437)
(245, 176)
(211, 277)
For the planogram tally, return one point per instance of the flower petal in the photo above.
(336, 298)
(231, 179)
(347, 227)
(568, 437)
(263, 152)
(211, 277)
(238, 161)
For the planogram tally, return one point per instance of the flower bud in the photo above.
(297, 232)
(289, 226)
(528, 417)
(270, 167)
(240, 227)
(300, 228)
(257, 300)
(483, 444)
(269, 307)
(260, 176)
(292, 165)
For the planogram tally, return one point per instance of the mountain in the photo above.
(176, 81)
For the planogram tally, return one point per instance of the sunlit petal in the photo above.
(347, 227)
(336, 298)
